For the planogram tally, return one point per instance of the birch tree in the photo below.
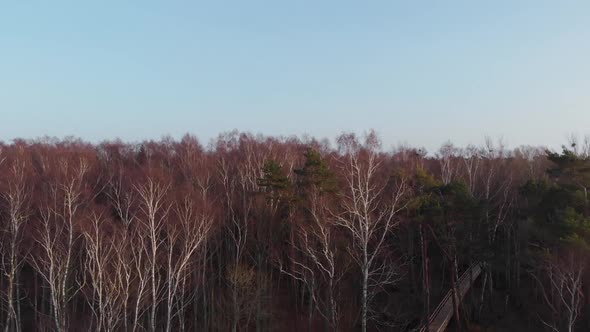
(448, 167)
(154, 212)
(562, 290)
(239, 167)
(101, 267)
(185, 241)
(369, 213)
(17, 198)
(57, 236)
(140, 272)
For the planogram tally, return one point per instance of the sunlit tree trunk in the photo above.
(155, 210)
(17, 197)
(368, 214)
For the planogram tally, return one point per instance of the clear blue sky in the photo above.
(416, 71)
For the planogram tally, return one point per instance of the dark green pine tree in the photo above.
(572, 172)
(316, 173)
(274, 181)
(559, 208)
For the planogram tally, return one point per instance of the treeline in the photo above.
(259, 233)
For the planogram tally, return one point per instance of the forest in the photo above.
(260, 233)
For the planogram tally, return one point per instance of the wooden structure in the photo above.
(441, 316)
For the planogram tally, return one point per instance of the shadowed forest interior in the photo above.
(258, 233)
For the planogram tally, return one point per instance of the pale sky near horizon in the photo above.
(420, 72)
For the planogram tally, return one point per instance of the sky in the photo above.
(418, 72)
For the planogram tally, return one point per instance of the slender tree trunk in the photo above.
(154, 291)
(483, 290)
(455, 292)
(310, 312)
(365, 294)
(413, 279)
(259, 293)
(12, 317)
(425, 276)
(333, 318)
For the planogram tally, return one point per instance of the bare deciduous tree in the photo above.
(184, 242)
(369, 214)
(141, 272)
(101, 265)
(562, 291)
(314, 262)
(17, 198)
(472, 160)
(238, 175)
(154, 209)
(448, 168)
(57, 236)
